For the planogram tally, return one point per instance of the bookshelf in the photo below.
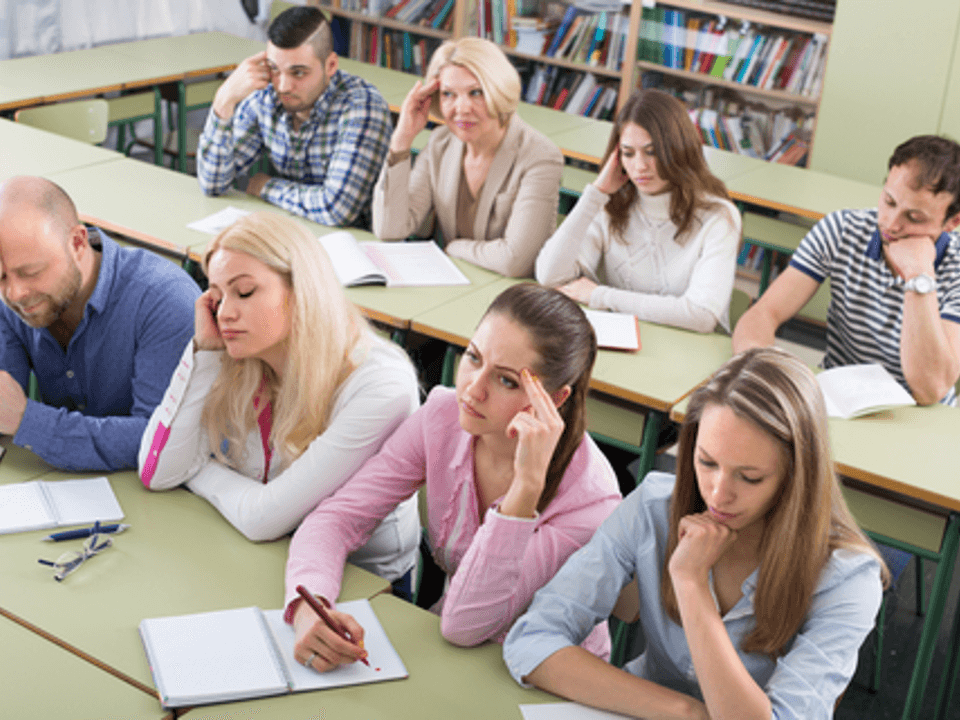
(770, 92)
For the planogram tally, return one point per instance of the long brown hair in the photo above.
(809, 519)
(567, 347)
(679, 161)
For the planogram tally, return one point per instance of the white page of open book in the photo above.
(22, 508)
(567, 711)
(213, 656)
(414, 264)
(349, 262)
(852, 390)
(385, 664)
(84, 501)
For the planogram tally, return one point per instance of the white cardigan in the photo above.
(651, 275)
(368, 407)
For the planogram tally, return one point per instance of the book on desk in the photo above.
(248, 653)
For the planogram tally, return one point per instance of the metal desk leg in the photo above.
(157, 127)
(181, 126)
(648, 447)
(949, 680)
(931, 623)
(449, 364)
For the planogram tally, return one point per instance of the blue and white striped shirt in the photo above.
(326, 168)
(865, 314)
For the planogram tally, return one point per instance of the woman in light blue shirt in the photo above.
(756, 586)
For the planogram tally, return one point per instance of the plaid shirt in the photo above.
(326, 169)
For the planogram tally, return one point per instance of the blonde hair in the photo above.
(809, 520)
(495, 73)
(324, 330)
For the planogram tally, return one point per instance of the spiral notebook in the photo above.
(42, 504)
(248, 653)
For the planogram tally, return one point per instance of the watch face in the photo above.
(921, 284)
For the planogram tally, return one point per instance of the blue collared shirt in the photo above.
(326, 168)
(803, 684)
(97, 396)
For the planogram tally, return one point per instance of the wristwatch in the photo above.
(921, 284)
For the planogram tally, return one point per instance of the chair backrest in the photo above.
(84, 120)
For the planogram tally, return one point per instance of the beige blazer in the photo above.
(516, 211)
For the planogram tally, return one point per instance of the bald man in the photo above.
(101, 326)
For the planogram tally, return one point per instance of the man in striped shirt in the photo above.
(325, 132)
(894, 276)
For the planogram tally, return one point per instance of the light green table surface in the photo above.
(18, 465)
(669, 363)
(189, 55)
(807, 193)
(42, 681)
(392, 84)
(179, 556)
(29, 151)
(444, 682)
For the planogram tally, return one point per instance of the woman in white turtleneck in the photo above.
(656, 234)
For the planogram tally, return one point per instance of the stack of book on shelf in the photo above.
(812, 9)
(765, 58)
(396, 49)
(594, 38)
(578, 93)
(774, 135)
(436, 14)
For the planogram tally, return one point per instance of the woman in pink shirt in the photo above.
(513, 483)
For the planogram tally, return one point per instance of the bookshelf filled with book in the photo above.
(750, 70)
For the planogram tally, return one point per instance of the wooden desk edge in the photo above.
(905, 491)
(774, 205)
(148, 241)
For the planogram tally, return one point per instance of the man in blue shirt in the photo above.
(326, 132)
(102, 327)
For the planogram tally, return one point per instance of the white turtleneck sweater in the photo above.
(651, 275)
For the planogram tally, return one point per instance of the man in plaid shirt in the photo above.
(326, 132)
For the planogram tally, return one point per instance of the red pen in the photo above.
(325, 616)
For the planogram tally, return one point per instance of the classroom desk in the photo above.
(444, 681)
(29, 151)
(180, 556)
(43, 681)
(902, 456)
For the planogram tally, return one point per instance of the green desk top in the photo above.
(807, 193)
(179, 556)
(670, 362)
(41, 680)
(29, 151)
(18, 465)
(392, 84)
(445, 681)
(186, 55)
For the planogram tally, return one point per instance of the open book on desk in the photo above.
(248, 652)
(394, 264)
(42, 504)
(615, 330)
(853, 390)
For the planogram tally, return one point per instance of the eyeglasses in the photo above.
(70, 561)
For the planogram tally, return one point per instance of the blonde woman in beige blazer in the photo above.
(491, 181)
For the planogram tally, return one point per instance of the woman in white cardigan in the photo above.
(491, 181)
(655, 234)
(282, 394)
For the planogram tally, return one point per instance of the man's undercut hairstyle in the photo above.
(938, 160)
(297, 25)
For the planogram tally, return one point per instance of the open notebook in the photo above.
(248, 652)
(394, 264)
(615, 330)
(853, 390)
(42, 504)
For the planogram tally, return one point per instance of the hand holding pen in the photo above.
(326, 642)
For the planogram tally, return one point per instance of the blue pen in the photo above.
(86, 532)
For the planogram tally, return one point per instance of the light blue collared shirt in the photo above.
(804, 683)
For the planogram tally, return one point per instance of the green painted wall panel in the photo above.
(886, 80)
